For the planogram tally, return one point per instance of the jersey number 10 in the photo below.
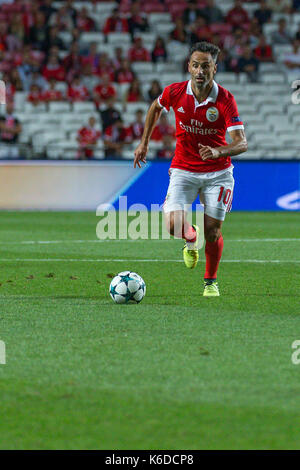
(226, 195)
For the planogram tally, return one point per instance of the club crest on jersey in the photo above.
(212, 114)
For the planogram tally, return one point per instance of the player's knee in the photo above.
(212, 234)
(174, 224)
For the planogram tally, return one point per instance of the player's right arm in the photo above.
(152, 117)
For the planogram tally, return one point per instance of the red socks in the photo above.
(189, 233)
(213, 253)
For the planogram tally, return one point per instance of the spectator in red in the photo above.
(168, 148)
(237, 16)
(88, 137)
(116, 23)
(53, 69)
(159, 53)
(200, 30)
(52, 94)
(163, 128)
(154, 91)
(77, 91)
(179, 33)
(125, 73)
(115, 138)
(138, 53)
(35, 95)
(263, 52)
(137, 20)
(103, 92)
(137, 127)
(84, 22)
(133, 93)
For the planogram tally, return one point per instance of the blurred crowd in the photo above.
(34, 58)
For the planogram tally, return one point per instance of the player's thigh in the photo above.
(182, 191)
(216, 195)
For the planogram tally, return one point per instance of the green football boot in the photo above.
(190, 251)
(211, 289)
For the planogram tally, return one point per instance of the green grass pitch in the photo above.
(177, 371)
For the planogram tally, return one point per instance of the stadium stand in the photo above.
(51, 75)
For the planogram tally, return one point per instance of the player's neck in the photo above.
(202, 94)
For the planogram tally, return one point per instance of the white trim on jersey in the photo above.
(234, 128)
(158, 100)
(211, 97)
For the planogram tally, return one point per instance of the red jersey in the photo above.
(88, 135)
(51, 95)
(78, 93)
(140, 54)
(104, 92)
(160, 130)
(204, 123)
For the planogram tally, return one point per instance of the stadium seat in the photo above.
(30, 108)
(164, 29)
(92, 36)
(118, 39)
(19, 100)
(271, 78)
(84, 107)
(226, 78)
(133, 107)
(59, 106)
(42, 139)
(142, 67)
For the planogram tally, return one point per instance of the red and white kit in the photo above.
(205, 123)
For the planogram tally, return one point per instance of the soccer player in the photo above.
(204, 111)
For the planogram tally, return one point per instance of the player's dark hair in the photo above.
(204, 46)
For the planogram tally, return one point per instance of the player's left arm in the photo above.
(238, 145)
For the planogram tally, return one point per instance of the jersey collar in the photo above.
(211, 97)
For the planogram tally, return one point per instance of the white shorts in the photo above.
(215, 191)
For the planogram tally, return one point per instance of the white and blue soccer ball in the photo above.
(127, 287)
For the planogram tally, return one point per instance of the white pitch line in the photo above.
(72, 260)
(50, 242)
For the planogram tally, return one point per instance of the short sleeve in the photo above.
(232, 118)
(164, 100)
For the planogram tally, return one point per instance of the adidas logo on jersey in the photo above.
(181, 110)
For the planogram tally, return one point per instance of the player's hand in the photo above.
(140, 154)
(207, 152)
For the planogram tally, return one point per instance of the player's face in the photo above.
(202, 69)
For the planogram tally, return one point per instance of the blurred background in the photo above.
(80, 76)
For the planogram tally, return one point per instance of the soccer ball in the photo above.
(127, 287)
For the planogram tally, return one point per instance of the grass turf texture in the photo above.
(177, 371)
